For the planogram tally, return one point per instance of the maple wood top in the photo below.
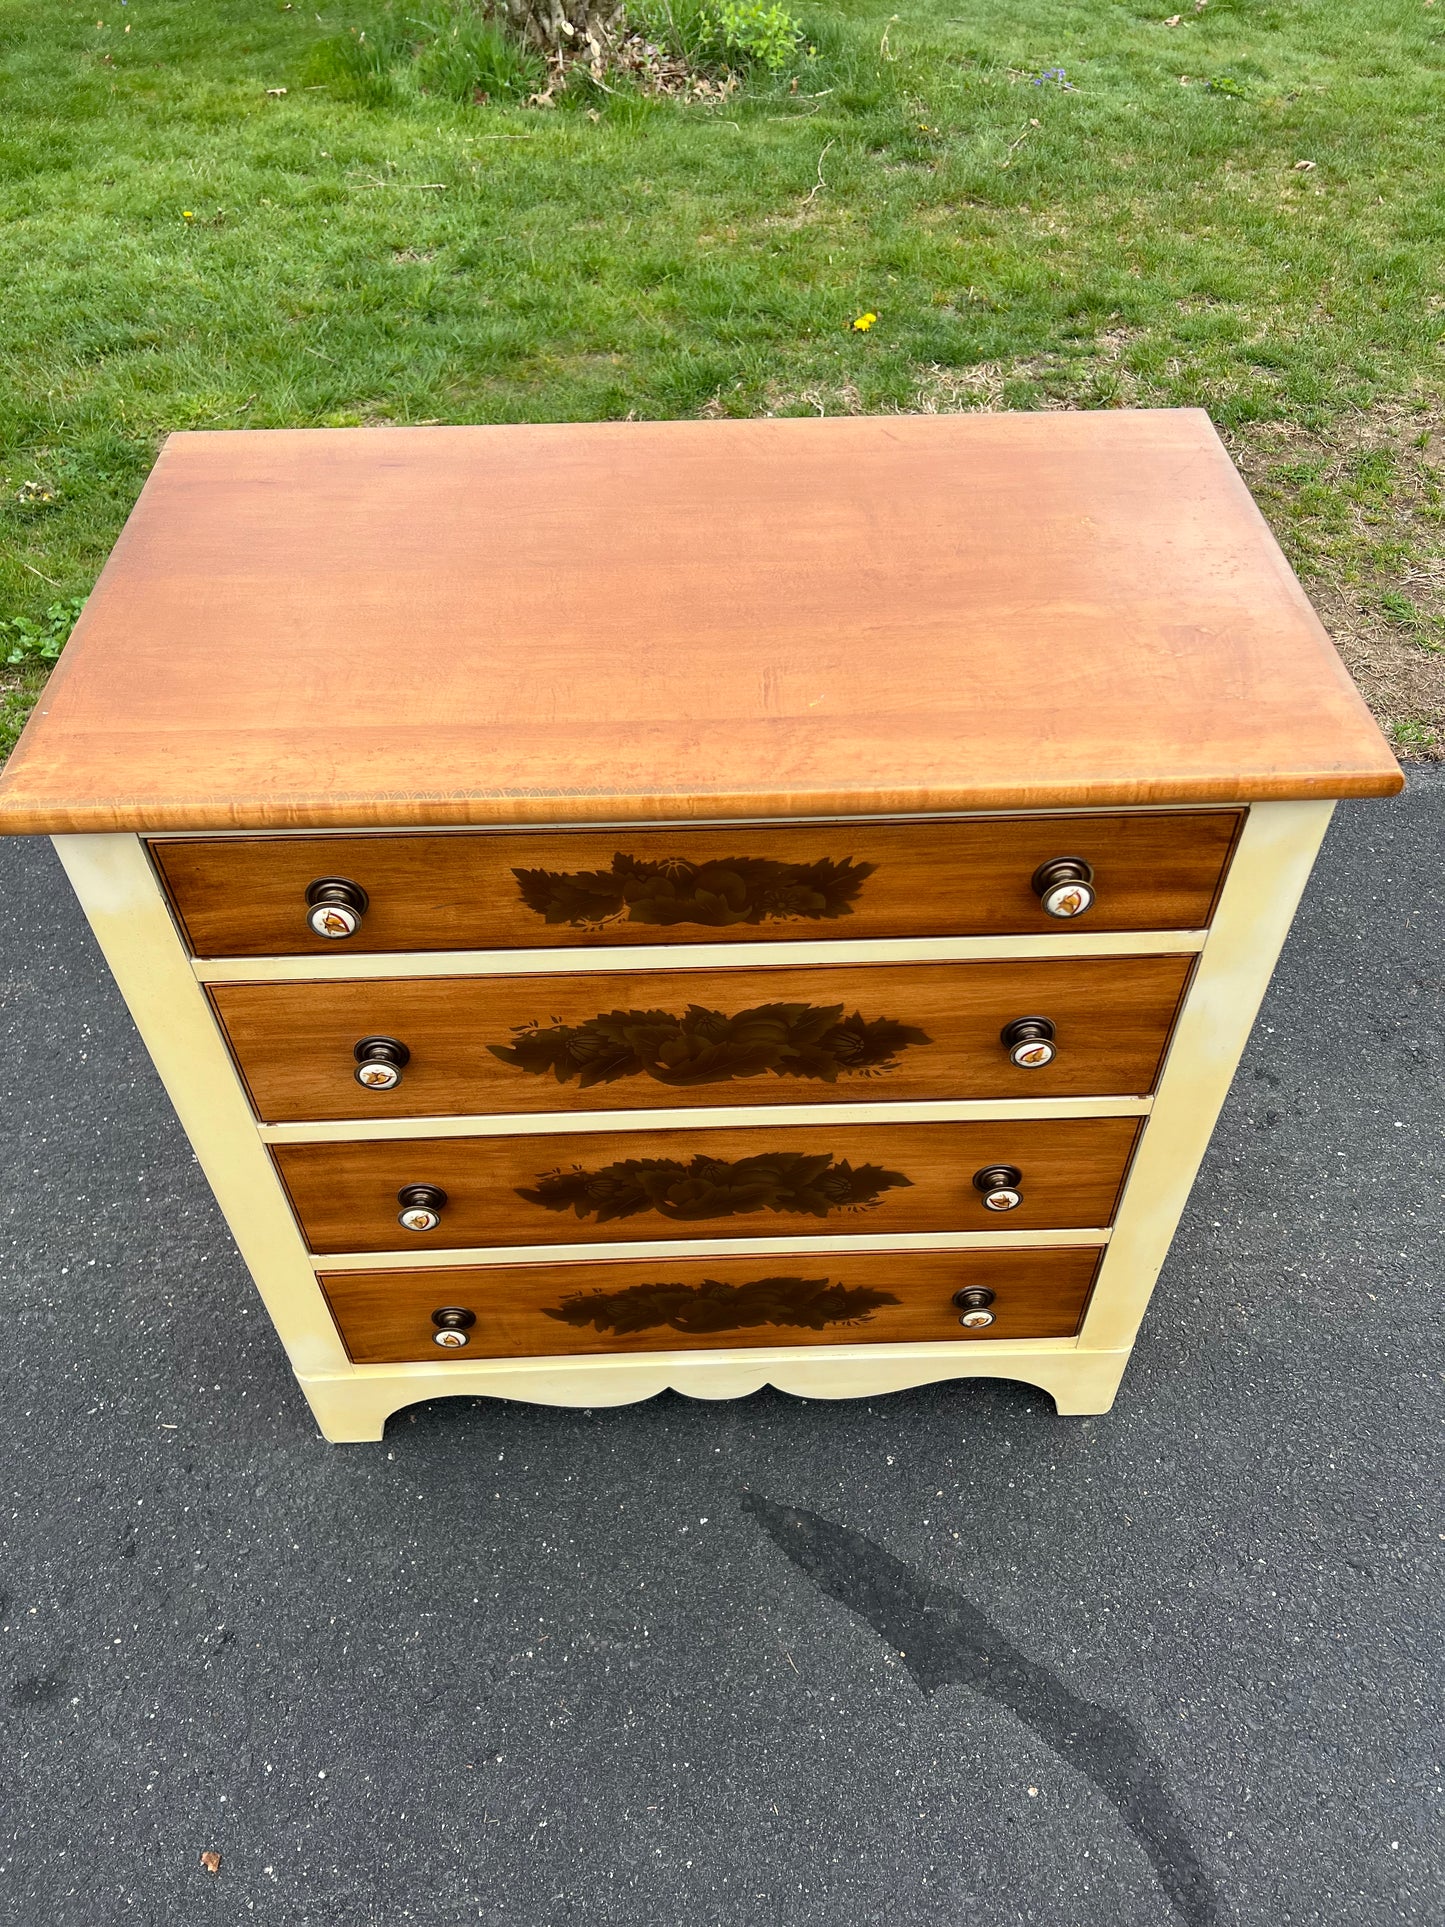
(606, 622)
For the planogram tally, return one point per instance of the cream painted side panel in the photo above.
(1271, 867)
(119, 894)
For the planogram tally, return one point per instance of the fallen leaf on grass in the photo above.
(1303, 167)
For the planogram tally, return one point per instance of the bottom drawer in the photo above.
(641, 1305)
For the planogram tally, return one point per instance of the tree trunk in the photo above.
(567, 30)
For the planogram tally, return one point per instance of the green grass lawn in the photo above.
(1044, 204)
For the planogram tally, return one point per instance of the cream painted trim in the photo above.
(354, 1409)
(129, 915)
(1272, 863)
(701, 1248)
(705, 1118)
(626, 958)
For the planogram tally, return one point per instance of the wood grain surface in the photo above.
(483, 890)
(538, 1311)
(394, 627)
(596, 1188)
(845, 1032)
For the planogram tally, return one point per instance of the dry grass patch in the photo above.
(1097, 378)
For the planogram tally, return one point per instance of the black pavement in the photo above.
(942, 1657)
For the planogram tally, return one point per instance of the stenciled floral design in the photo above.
(810, 1303)
(704, 1187)
(708, 1047)
(725, 890)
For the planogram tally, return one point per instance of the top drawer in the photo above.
(503, 890)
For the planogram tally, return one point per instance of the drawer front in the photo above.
(661, 1039)
(531, 1190)
(539, 1311)
(484, 890)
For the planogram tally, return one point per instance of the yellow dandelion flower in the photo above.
(186, 214)
(863, 323)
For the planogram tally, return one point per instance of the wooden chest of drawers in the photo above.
(696, 905)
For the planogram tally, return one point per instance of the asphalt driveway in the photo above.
(935, 1658)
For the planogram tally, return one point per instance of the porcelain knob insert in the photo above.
(1029, 1042)
(452, 1322)
(973, 1307)
(1065, 887)
(421, 1206)
(998, 1185)
(335, 907)
(380, 1062)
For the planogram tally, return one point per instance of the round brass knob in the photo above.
(1029, 1042)
(452, 1322)
(421, 1206)
(1065, 886)
(973, 1307)
(999, 1186)
(335, 907)
(379, 1063)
